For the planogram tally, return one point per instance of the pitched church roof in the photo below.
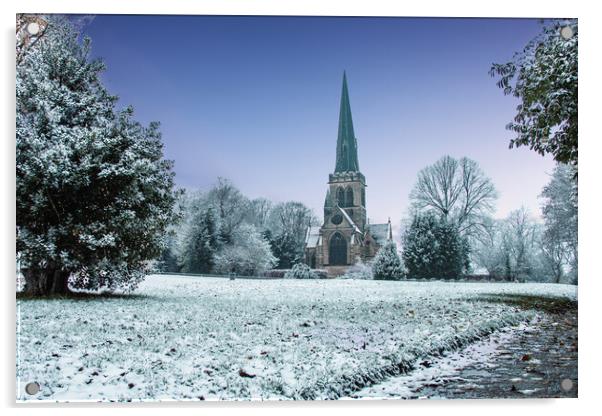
(312, 238)
(381, 232)
(347, 160)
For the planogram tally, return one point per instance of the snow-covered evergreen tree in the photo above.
(247, 254)
(433, 248)
(200, 242)
(94, 194)
(300, 271)
(286, 249)
(387, 264)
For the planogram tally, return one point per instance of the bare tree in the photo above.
(259, 211)
(230, 204)
(519, 243)
(292, 217)
(487, 250)
(458, 190)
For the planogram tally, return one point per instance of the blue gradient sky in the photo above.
(256, 100)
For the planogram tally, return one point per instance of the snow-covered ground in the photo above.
(188, 338)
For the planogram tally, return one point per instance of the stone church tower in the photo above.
(346, 235)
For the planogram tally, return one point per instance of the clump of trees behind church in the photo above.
(224, 232)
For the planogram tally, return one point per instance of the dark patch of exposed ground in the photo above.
(529, 363)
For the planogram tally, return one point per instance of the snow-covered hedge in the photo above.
(281, 273)
(300, 271)
(275, 273)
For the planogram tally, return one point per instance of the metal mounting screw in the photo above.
(566, 32)
(32, 388)
(566, 384)
(33, 28)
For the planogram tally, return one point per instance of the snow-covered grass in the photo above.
(192, 337)
(443, 369)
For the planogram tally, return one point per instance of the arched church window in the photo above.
(363, 197)
(349, 197)
(341, 197)
(337, 250)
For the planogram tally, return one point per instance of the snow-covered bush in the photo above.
(300, 271)
(248, 254)
(387, 264)
(359, 271)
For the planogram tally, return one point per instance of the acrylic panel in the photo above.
(295, 208)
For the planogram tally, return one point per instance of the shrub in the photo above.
(322, 274)
(359, 271)
(275, 273)
(300, 271)
(387, 263)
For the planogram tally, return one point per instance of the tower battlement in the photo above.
(347, 177)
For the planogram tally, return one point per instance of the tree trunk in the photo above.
(48, 281)
(60, 283)
(35, 282)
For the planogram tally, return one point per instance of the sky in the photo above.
(256, 100)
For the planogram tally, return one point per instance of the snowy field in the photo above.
(191, 338)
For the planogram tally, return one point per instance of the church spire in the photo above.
(346, 142)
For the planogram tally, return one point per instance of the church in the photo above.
(346, 235)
